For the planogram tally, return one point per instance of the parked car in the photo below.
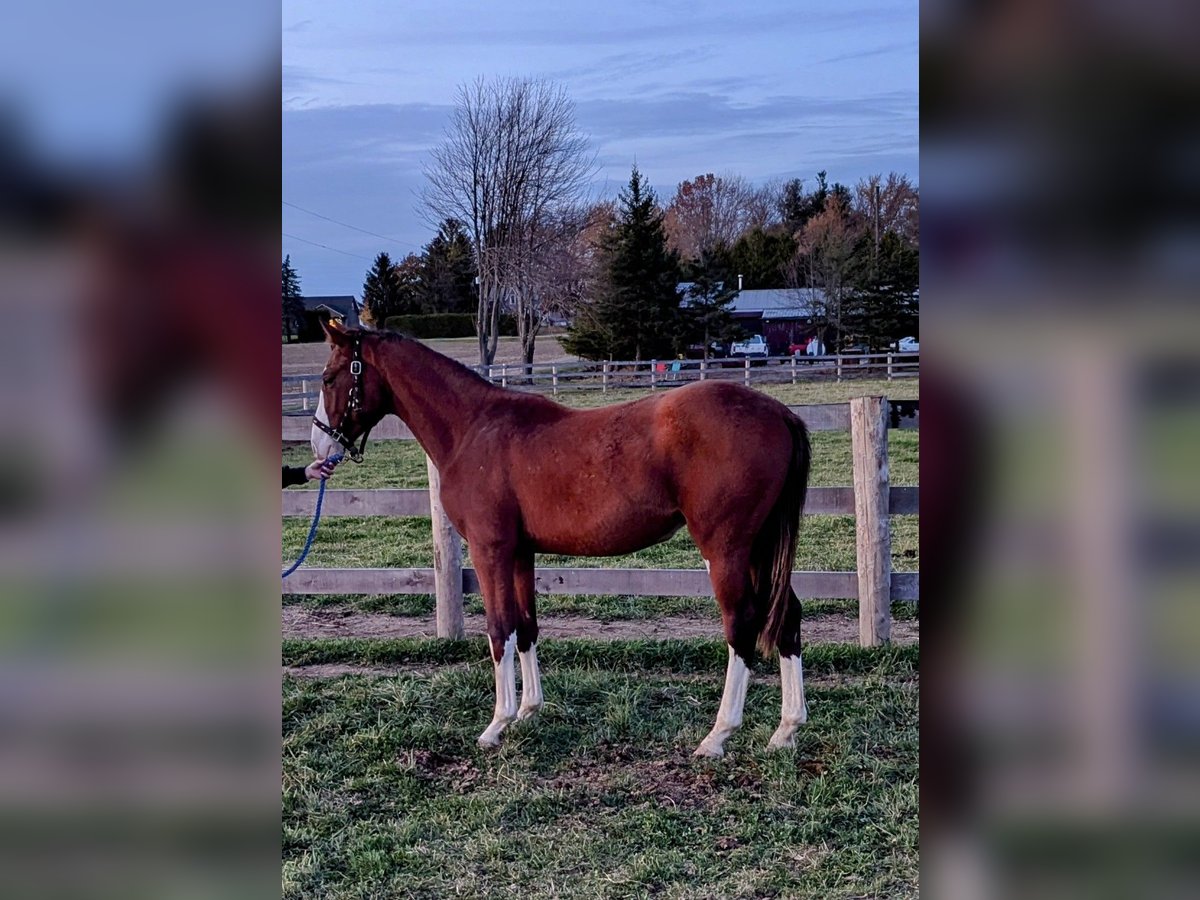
(907, 345)
(755, 345)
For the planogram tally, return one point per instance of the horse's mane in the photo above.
(397, 337)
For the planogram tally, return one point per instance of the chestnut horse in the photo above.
(521, 475)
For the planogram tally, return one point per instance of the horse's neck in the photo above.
(436, 397)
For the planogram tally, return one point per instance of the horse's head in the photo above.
(354, 396)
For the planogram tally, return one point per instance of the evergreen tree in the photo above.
(761, 256)
(293, 306)
(381, 294)
(448, 280)
(707, 313)
(635, 314)
(881, 297)
(411, 287)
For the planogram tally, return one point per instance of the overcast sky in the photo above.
(774, 88)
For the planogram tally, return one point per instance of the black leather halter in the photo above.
(353, 405)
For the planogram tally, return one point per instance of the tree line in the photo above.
(517, 235)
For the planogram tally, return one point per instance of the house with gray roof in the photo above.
(783, 316)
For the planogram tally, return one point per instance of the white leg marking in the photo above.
(729, 716)
(707, 566)
(795, 710)
(506, 696)
(531, 684)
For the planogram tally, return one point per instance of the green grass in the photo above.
(386, 795)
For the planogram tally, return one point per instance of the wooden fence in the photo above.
(872, 500)
(300, 391)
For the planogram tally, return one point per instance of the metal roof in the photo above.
(345, 306)
(771, 303)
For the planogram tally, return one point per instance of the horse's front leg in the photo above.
(527, 635)
(494, 565)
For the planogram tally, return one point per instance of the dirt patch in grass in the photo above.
(620, 771)
(338, 622)
(459, 775)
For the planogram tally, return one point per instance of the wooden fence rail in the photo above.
(821, 501)
(872, 500)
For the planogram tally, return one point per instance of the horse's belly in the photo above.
(583, 535)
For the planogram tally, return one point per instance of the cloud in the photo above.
(560, 26)
(704, 113)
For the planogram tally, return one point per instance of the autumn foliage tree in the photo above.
(711, 212)
(824, 259)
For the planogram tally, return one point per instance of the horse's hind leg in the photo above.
(731, 581)
(791, 676)
(527, 635)
(495, 568)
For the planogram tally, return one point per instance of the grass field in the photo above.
(385, 793)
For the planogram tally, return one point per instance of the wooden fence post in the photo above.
(793, 362)
(554, 377)
(653, 366)
(839, 367)
(703, 368)
(304, 397)
(604, 378)
(447, 562)
(504, 375)
(873, 535)
(747, 371)
(890, 370)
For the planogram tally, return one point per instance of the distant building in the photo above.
(783, 316)
(344, 309)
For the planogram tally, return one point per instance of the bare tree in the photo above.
(888, 205)
(511, 159)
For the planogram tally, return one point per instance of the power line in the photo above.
(345, 224)
(324, 246)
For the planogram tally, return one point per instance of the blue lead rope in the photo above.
(312, 530)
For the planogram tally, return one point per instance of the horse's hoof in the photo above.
(527, 712)
(709, 751)
(488, 741)
(781, 743)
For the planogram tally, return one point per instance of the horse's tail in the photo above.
(775, 547)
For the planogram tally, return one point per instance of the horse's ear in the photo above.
(334, 332)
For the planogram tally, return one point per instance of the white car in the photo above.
(907, 345)
(755, 346)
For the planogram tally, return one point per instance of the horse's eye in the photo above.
(327, 381)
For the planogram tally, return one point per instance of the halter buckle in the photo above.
(356, 367)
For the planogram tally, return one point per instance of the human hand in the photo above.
(319, 468)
